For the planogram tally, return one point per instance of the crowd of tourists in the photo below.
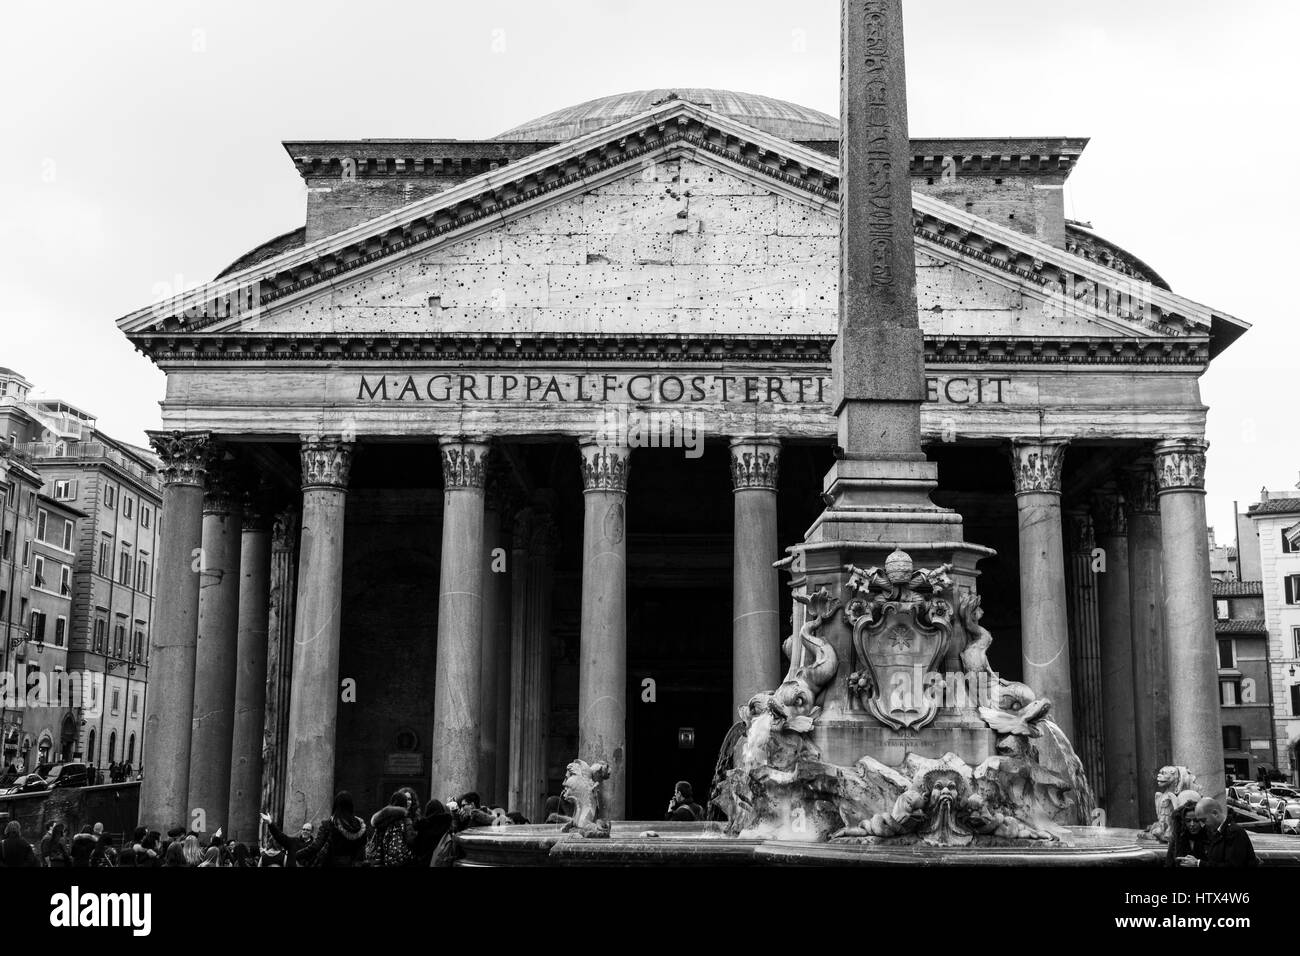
(403, 833)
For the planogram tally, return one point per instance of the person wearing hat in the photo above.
(682, 807)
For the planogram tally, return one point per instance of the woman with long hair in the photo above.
(1187, 835)
(191, 851)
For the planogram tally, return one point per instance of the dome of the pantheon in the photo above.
(780, 118)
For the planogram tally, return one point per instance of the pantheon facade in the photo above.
(488, 464)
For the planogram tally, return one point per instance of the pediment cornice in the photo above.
(1119, 302)
(174, 349)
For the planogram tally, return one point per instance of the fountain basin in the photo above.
(705, 844)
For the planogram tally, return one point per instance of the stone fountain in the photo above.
(891, 740)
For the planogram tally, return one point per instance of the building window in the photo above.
(1292, 588)
(67, 536)
(27, 554)
(103, 558)
(65, 489)
(142, 575)
(39, 578)
(135, 709)
(117, 698)
(124, 568)
(137, 646)
(1221, 610)
(110, 496)
(4, 598)
(38, 626)
(145, 516)
(1231, 738)
(7, 551)
(1228, 693)
(126, 507)
(1226, 659)
(11, 493)
(1286, 543)
(130, 749)
(42, 517)
(1295, 700)
(119, 639)
(60, 631)
(97, 645)
(1295, 639)
(65, 580)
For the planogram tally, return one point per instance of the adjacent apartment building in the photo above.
(84, 577)
(1276, 520)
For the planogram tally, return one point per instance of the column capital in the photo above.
(604, 465)
(284, 533)
(1079, 530)
(755, 463)
(464, 462)
(1108, 513)
(185, 456)
(326, 462)
(221, 493)
(1036, 465)
(544, 540)
(1180, 464)
(1141, 488)
(258, 512)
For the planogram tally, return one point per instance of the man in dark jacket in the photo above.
(1229, 845)
(683, 807)
(83, 845)
(291, 845)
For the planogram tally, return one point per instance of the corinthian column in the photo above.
(1044, 642)
(456, 699)
(1195, 733)
(314, 698)
(170, 708)
(1149, 662)
(250, 679)
(755, 624)
(1114, 611)
(215, 656)
(279, 661)
(496, 641)
(602, 667)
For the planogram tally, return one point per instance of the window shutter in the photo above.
(1290, 590)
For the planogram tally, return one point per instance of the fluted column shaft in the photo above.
(314, 697)
(456, 698)
(1044, 628)
(173, 637)
(602, 668)
(212, 733)
(250, 677)
(1195, 733)
(279, 662)
(1118, 687)
(755, 623)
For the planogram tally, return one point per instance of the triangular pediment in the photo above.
(676, 221)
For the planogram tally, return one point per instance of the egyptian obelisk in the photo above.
(877, 493)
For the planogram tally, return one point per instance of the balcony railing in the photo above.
(89, 451)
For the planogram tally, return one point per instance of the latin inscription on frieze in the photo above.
(542, 386)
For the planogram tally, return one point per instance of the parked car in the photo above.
(69, 775)
(1287, 793)
(28, 783)
(1291, 819)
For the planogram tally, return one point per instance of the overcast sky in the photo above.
(141, 145)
